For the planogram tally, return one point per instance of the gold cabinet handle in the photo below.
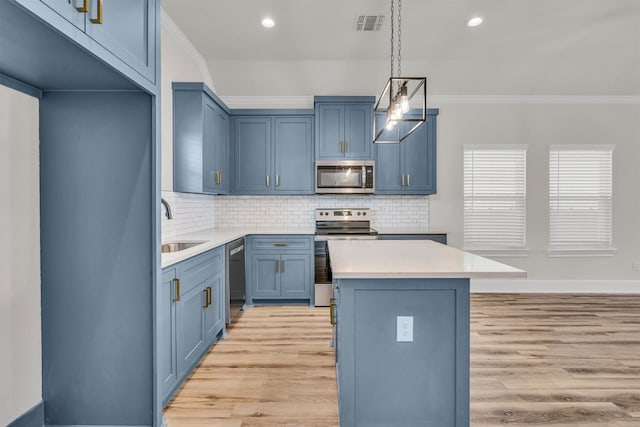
(341, 146)
(210, 295)
(98, 19)
(267, 180)
(346, 147)
(176, 298)
(403, 180)
(408, 180)
(206, 297)
(280, 244)
(282, 266)
(84, 8)
(277, 180)
(277, 263)
(332, 304)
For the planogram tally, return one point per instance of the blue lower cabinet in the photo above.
(166, 315)
(191, 316)
(279, 269)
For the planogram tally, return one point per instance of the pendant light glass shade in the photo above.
(400, 110)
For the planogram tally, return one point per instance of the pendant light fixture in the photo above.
(402, 106)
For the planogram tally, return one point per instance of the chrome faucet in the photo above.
(167, 207)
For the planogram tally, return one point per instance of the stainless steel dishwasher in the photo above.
(235, 282)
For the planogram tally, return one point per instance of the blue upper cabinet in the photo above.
(200, 141)
(252, 155)
(411, 166)
(343, 127)
(293, 155)
(273, 154)
(125, 28)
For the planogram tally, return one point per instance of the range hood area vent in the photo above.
(369, 22)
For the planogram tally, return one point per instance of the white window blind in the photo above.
(495, 197)
(580, 197)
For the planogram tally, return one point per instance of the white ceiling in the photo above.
(568, 47)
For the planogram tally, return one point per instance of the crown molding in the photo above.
(307, 101)
(289, 102)
(533, 99)
(172, 28)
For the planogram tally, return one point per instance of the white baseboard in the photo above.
(555, 286)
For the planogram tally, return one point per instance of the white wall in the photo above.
(180, 62)
(20, 328)
(540, 125)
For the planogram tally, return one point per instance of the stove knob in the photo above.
(364, 213)
(359, 213)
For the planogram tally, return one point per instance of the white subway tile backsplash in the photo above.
(193, 212)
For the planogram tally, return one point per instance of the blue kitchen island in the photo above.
(401, 316)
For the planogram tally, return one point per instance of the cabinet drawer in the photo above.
(281, 243)
(200, 268)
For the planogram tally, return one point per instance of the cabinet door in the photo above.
(420, 159)
(252, 155)
(221, 151)
(208, 147)
(128, 31)
(293, 151)
(388, 169)
(330, 131)
(213, 313)
(357, 131)
(166, 347)
(264, 278)
(190, 337)
(295, 276)
(67, 9)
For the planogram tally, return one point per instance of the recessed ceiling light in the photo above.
(475, 21)
(268, 23)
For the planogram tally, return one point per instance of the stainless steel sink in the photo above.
(179, 246)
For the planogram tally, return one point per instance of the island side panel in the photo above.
(384, 382)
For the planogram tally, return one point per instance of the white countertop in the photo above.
(214, 237)
(365, 259)
(407, 230)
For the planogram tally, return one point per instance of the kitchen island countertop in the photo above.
(362, 259)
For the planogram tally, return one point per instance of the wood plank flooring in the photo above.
(563, 360)
(274, 369)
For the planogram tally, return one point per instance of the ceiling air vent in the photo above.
(369, 22)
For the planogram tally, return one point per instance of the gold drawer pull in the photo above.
(332, 304)
(98, 19)
(176, 281)
(280, 244)
(84, 8)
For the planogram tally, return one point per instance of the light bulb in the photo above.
(404, 99)
(404, 104)
(397, 110)
(390, 125)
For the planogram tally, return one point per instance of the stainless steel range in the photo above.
(334, 224)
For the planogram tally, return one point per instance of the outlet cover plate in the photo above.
(404, 329)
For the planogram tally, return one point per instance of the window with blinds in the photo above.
(580, 198)
(495, 197)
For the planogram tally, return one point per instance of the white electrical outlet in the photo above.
(404, 329)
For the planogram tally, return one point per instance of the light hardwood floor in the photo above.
(563, 360)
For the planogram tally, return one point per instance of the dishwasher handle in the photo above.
(234, 251)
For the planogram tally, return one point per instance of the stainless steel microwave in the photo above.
(344, 176)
